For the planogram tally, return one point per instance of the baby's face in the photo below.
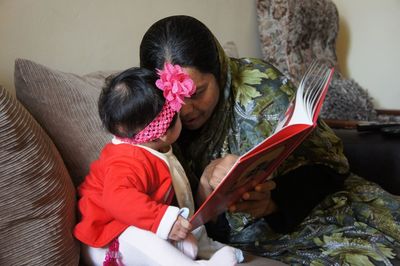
(173, 133)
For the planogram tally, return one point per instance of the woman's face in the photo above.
(198, 109)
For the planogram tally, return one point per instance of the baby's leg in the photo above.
(141, 247)
(207, 246)
(152, 250)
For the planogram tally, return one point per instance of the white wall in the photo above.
(82, 36)
(369, 47)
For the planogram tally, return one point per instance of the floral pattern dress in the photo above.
(359, 225)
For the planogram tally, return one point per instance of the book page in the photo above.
(312, 88)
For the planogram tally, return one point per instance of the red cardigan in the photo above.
(126, 186)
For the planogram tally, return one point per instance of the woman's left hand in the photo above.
(258, 202)
(213, 174)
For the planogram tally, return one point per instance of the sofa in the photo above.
(49, 135)
(373, 155)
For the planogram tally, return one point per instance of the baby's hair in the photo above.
(129, 101)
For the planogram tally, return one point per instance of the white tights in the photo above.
(141, 247)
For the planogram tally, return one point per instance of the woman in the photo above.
(237, 104)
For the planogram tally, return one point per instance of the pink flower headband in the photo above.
(176, 85)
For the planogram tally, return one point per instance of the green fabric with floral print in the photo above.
(261, 95)
(358, 226)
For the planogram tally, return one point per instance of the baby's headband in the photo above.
(176, 85)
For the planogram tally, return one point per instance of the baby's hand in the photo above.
(180, 229)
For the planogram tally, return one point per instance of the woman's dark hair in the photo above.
(129, 101)
(181, 40)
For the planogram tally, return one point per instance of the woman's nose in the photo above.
(187, 108)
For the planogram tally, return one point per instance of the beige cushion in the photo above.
(37, 197)
(65, 105)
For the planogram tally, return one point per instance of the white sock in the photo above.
(226, 256)
(188, 246)
(207, 246)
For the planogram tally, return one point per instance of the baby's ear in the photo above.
(163, 138)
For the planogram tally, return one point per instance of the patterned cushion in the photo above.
(293, 34)
(65, 105)
(37, 197)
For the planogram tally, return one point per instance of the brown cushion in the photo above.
(65, 105)
(37, 197)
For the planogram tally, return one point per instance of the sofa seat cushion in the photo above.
(37, 196)
(374, 156)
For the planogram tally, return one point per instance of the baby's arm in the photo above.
(182, 238)
(180, 229)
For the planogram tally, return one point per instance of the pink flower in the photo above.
(176, 84)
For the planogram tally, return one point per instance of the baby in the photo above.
(135, 201)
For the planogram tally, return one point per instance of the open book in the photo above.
(259, 163)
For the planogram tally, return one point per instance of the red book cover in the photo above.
(259, 163)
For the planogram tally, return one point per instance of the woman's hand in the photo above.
(218, 169)
(258, 202)
(213, 174)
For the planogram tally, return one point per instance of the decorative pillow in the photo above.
(37, 196)
(347, 100)
(65, 105)
(294, 33)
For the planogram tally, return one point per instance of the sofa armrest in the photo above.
(373, 156)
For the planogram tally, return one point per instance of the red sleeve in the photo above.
(128, 182)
